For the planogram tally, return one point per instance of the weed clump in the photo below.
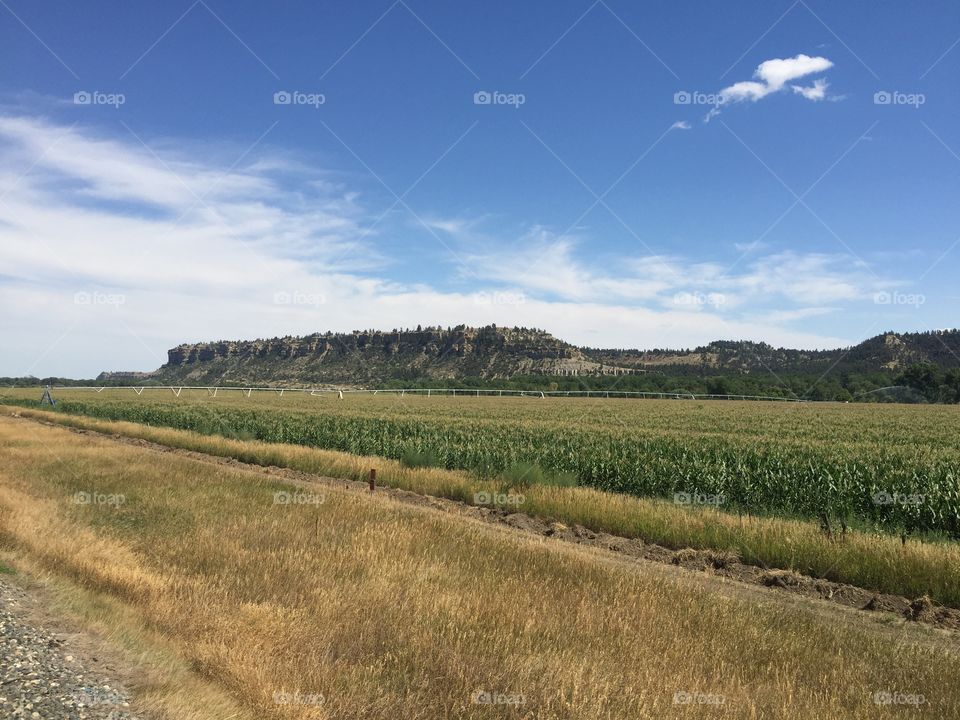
(525, 475)
(414, 458)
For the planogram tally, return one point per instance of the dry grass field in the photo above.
(885, 468)
(261, 600)
(875, 561)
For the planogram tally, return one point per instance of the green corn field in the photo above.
(894, 468)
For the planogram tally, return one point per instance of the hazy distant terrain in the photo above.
(493, 352)
(905, 367)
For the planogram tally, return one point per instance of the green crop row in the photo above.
(898, 487)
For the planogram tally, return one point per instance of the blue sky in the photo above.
(643, 175)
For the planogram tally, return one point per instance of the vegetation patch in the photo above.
(413, 458)
(416, 613)
(868, 560)
(892, 469)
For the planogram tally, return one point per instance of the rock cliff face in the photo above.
(368, 356)
(365, 357)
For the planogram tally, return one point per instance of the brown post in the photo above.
(373, 479)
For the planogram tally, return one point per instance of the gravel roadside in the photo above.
(43, 677)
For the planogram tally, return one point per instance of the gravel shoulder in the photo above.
(49, 671)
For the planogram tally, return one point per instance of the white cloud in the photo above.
(746, 90)
(773, 76)
(680, 125)
(542, 264)
(817, 91)
(778, 72)
(114, 170)
(84, 213)
(452, 226)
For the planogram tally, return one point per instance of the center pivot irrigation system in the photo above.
(341, 394)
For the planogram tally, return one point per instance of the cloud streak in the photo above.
(774, 76)
(197, 250)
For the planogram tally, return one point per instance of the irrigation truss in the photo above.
(213, 390)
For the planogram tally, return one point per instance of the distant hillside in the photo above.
(889, 351)
(375, 356)
(494, 353)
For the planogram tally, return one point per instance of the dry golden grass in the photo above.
(876, 562)
(390, 611)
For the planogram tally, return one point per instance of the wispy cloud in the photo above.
(543, 264)
(774, 76)
(815, 92)
(199, 250)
